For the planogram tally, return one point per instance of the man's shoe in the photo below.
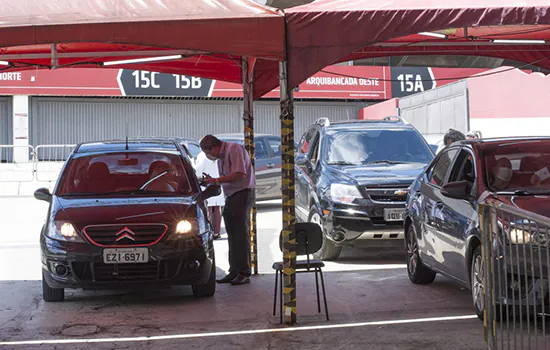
(226, 279)
(240, 279)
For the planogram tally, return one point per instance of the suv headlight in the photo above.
(63, 231)
(519, 236)
(344, 193)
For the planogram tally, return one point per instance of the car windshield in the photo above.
(518, 167)
(143, 173)
(357, 147)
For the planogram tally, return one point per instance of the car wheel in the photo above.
(417, 271)
(50, 294)
(329, 250)
(476, 282)
(209, 288)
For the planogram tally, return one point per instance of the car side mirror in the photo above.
(211, 191)
(300, 159)
(43, 194)
(456, 190)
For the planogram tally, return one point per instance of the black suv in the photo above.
(352, 178)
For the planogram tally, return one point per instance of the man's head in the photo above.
(453, 136)
(473, 135)
(211, 146)
(501, 174)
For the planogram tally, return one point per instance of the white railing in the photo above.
(16, 163)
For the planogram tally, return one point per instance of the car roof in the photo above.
(503, 141)
(236, 136)
(145, 144)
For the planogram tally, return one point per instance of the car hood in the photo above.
(404, 173)
(535, 204)
(100, 211)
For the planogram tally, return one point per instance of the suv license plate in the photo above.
(125, 255)
(394, 214)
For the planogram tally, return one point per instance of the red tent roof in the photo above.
(328, 31)
(212, 35)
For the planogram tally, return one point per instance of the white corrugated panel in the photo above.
(437, 110)
(74, 120)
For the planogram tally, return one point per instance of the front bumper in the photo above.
(168, 265)
(366, 222)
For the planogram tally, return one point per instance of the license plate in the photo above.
(394, 214)
(125, 255)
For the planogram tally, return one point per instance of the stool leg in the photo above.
(275, 292)
(281, 296)
(324, 293)
(317, 287)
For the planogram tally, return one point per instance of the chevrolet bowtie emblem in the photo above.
(125, 233)
(400, 192)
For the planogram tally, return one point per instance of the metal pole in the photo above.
(288, 185)
(486, 254)
(248, 117)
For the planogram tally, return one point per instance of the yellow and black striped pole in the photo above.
(288, 185)
(248, 117)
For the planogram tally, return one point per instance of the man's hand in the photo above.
(209, 181)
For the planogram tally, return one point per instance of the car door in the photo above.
(302, 175)
(264, 181)
(457, 218)
(274, 143)
(431, 206)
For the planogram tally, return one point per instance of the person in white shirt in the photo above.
(210, 167)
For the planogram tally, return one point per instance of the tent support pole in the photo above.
(288, 186)
(248, 117)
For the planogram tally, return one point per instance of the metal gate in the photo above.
(516, 283)
(73, 120)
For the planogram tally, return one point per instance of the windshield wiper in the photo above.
(71, 194)
(385, 162)
(517, 193)
(342, 162)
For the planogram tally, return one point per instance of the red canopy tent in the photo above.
(329, 31)
(210, 35)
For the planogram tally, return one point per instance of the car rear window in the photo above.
(119, 173)
(371, 146)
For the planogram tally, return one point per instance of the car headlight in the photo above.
(344, 193)
(184, 226)
(63, 231)
(519, 236)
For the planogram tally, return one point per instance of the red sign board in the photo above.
(335, 82)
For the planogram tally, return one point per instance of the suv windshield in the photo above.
(357, 147)
(146, 173)
(521, 168)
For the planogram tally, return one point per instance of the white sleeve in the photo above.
(199, 165)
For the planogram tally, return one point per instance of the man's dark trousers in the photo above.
(236, 215)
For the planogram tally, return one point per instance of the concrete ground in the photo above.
(371, 302)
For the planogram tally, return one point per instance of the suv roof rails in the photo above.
(323, 121)
(395, 119)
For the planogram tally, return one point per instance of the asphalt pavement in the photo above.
(372, 304)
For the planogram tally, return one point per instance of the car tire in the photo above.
(417, 271)
(209, 288)
(329, 250)
(476, 282)
(50, 294)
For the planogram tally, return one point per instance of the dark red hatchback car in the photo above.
(127, 214)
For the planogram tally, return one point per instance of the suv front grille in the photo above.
(387, 193)
(125, 235)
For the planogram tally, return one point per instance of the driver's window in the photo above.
(438, 171)
(314, 155)
(464, 169)
(306, 143)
